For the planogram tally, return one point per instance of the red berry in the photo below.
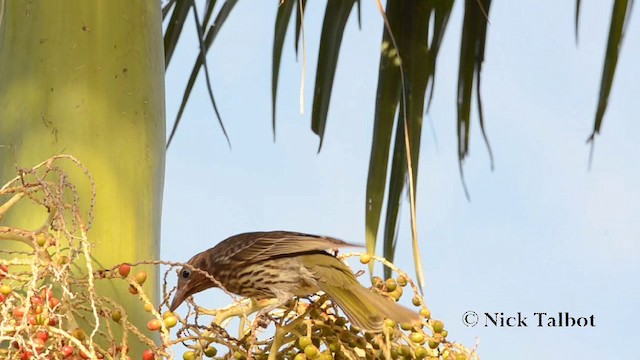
(36, 300)
(124, 270)
(148, 355)
(39, 344)
(66, 351)
(44, 336)
(46, 293)
(18, 311)
(154, 325)
(26, 355)
(2, 298)
(4, 270)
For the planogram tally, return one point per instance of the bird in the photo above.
(284, 264)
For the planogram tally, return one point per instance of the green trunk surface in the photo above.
(86, 78)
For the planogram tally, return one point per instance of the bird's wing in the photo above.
(259, 246)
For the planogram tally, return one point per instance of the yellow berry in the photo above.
(170, 321)
(141, 277)
(5, 289)
(438, 326)
(41, 239)
(304, 341)
(148, 307)
(425, 313)
(406, 326)
(189, 355)
(167, 314)
(311, 351)
(417, 338)
(365, 258)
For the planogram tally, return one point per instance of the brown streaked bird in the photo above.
(282, 264)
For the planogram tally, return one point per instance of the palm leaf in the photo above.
(282, 22)
(335, 19)
(619, 21)
(205, 45)
(474, 32)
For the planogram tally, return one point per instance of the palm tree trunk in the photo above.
(86, 78)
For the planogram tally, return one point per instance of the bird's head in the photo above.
(192, 279)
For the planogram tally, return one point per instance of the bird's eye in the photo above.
(185, 273)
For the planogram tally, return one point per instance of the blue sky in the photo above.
(542, 233)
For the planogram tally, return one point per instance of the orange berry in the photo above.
(46, 293)
(124, 270)
(154, 325)
(133, 290)
(54, 302)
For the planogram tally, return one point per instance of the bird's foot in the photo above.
(263, 320)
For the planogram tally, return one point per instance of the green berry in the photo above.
(391, 284)
(420, 353)
(210, 351)
(404, 350)
(433, 344)
(438, 326)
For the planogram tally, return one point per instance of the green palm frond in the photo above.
(405, 83)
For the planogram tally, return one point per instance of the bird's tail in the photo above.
(365, 308)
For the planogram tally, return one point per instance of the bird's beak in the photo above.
(178, 298)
